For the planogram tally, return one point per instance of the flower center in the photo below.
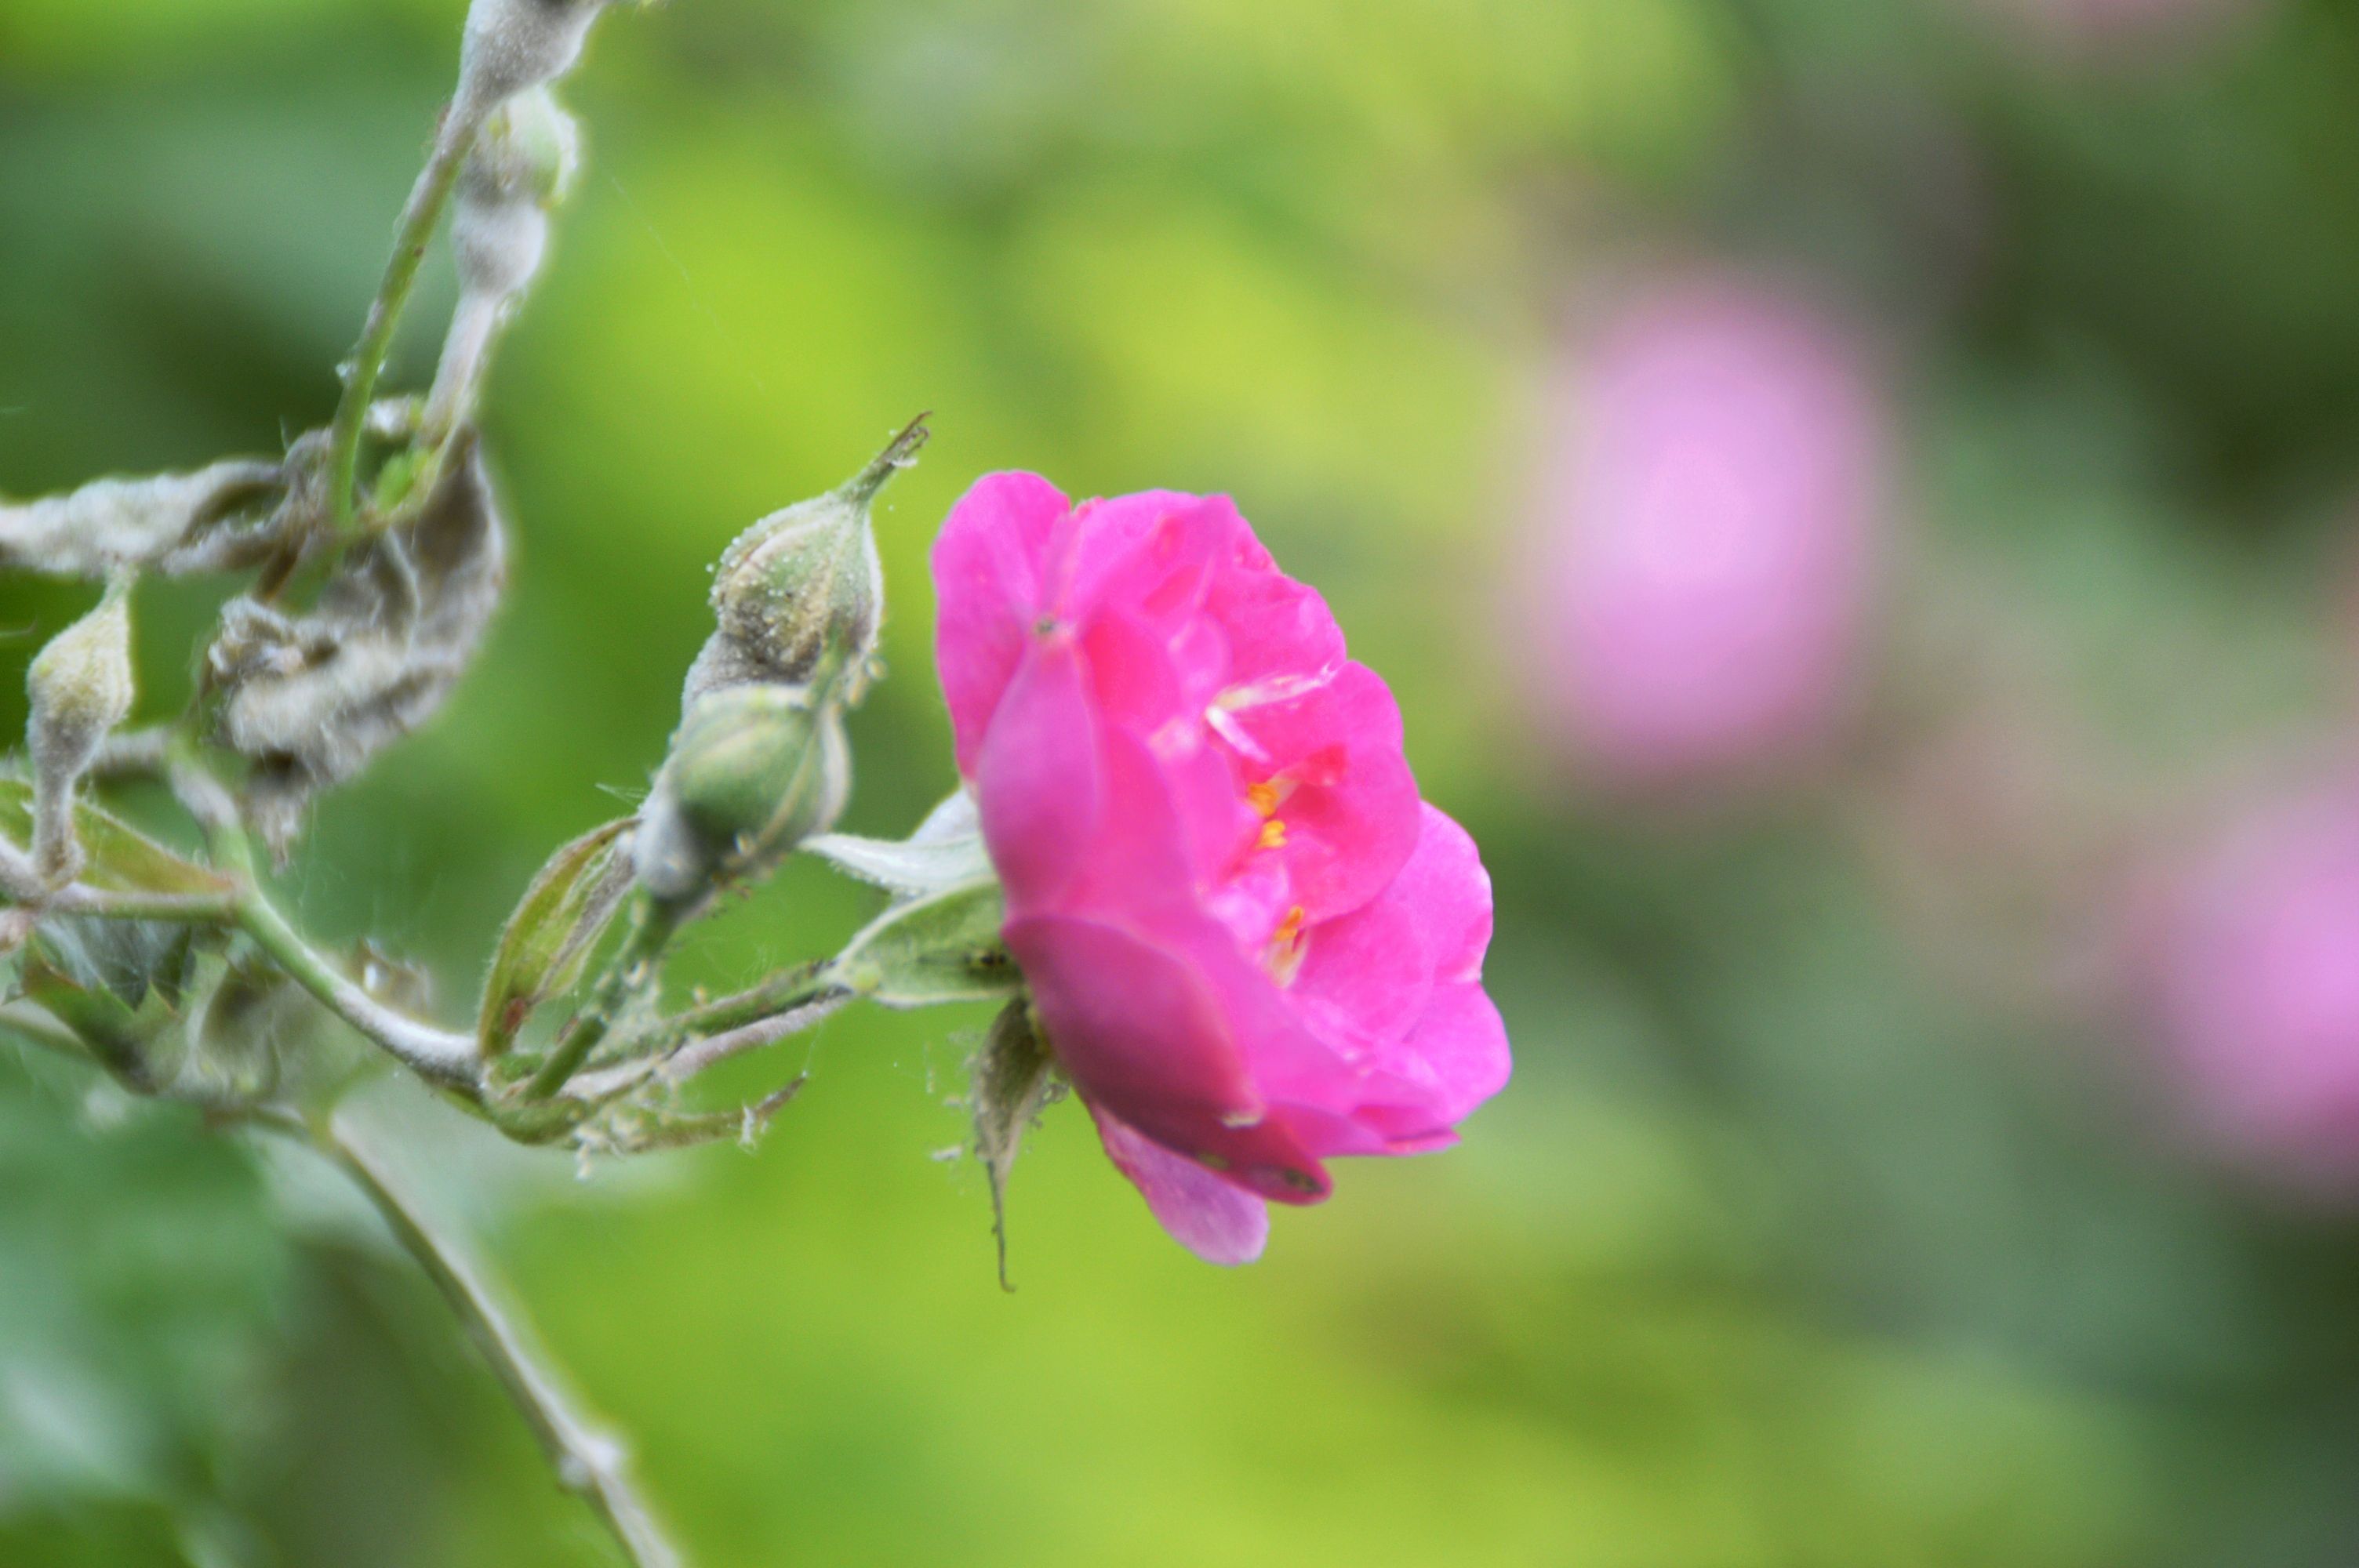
(1286, 948)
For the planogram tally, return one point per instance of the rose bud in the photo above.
(753, 771)
(804, 585)
(80, 686)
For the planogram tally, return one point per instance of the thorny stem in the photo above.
(588, 1459)
(419, 219)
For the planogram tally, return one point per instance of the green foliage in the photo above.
(144, 1281)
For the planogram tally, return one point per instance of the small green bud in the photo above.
(530, 147)
(804, 586)
(524, 161)
(753, 771)
(80, 686)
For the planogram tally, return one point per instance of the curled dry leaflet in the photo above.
(1186, 856)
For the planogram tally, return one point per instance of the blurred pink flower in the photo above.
(1251, 947)
(1708, 526)
(2253, 984)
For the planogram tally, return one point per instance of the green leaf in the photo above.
(117, 984)
(945, 851)
(121, 857)
(1011, 1080)
(129, 960)
(549, 937)
(941, 948)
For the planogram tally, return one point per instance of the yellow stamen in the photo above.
(1290, 930)
(1273, 835)
(1263, 797)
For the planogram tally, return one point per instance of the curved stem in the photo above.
(190, 908)
(588, 1459)
(438, 1055)
(419, 218)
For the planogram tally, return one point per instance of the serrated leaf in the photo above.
(1011, 1081)
(944, 947)
(128, 960)
(944, 852)
(117, 984)
(549, 937)
(121, 857)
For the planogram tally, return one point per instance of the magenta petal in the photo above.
(1142, 1029)
(1133, 673)
(1364, 978)
(1136, 1027)
(1457, 1053)
(1351, 811)
(1038, 785)
(1152, 554)
(988, 587)
(1447, 892)
(1137, 867)
(1217, 1222)
(1277, 627)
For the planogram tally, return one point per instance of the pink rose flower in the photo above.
(1250, 946)
(1706, 531)
(2254, 985)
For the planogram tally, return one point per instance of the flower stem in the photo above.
(435, 1054)
(438, 1055)
(588, 1461)
(428, 198)
(782, 992)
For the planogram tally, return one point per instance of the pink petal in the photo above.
(1152, 555)
(988, 566)
(1142, 1032)
(1134, 1025)
(1352, 818)
(1135, 870)
(1133, 673)
(1038, 785)
(1457, 1053)
(1446, 891)
(1217, 1222)
(1364, 978)
(1277, 626)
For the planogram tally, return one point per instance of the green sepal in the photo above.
(941, 948)
(549, 937)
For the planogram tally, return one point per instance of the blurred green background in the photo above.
(1818, 1229)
